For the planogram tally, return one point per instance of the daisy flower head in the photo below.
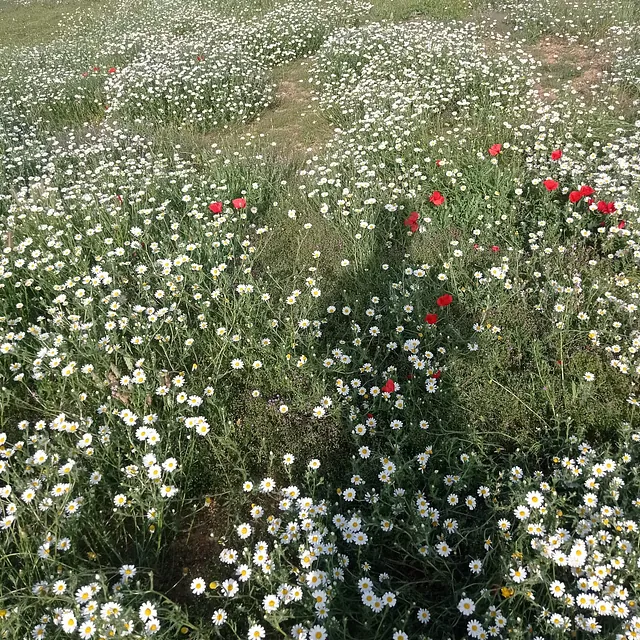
(518, 575)
(443, 549)
(198, 586)
(424, 616)
(466, 606)
(535, 499)
(219, 617)
(475, 566)
(256, 632)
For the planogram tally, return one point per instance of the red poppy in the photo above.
(557, 154)
(389, 386)
(476, 247)
(431, 318)
(445, 300)
(437, 375)
(411, 221)
(586, 190)
(199, 58)
(622, 224)
(369, 415)
(438, 163)
(575, 196)
(606, 207)
(239, 203)
(112, 70)
(410, 376)
(495, 248)
(85, 74)
(96, 68)
(551, 185)
(495, 149)
(215, 207)
(436, 198)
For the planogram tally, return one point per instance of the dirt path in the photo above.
(293, 124)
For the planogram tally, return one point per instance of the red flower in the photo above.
(112, 70)
(551, 185)
(215, 207)
(119, 198)
(96, 68)
(436, 198)
(431, 318)
(412, 221)
(495, 248)
(622, 224)
(85, 74)
(389, 386)
(438, 163)
(606, 207)
(557, 154)
(586, 190)
(495, 149)
(575, 196)
(437, 375)
(199, 58)
(445, 300)
(239, 203)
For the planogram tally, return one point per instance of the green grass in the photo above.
(40, 22)
(397, 10)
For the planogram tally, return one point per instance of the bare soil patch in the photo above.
(190, 555)
(572, 66)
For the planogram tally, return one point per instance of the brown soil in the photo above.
(191, 554)
(555, 50)
(577, 67)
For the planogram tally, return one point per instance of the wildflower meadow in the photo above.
(319, 320)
